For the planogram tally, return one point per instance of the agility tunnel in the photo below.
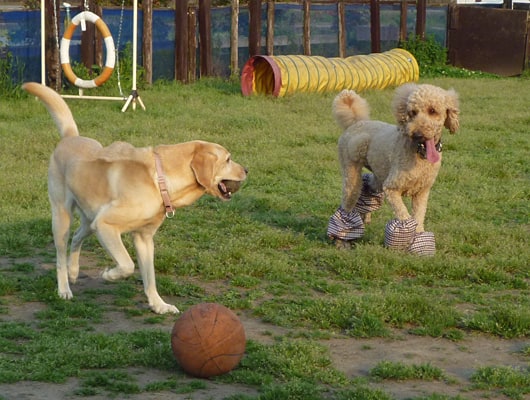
(281, 75)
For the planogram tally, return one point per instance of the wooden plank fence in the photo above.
(185, 70)
(193, 14)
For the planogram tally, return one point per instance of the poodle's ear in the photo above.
(451, 121)
(399, 104)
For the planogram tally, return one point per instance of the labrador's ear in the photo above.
(203, 166)
(400, 101)
(451, 122)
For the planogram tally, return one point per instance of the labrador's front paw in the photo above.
(65, 294)
(116, 273)
(164, 308)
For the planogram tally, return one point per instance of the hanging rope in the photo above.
(118, 67)
(57, 48)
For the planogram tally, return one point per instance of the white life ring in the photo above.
(110, 60)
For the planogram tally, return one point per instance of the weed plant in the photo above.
(512, 382)
(401, 371)
(10, 71)
(265, 254)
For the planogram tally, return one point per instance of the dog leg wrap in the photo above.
(402, 235)
(369, 200)
(345, 225)
(423, 244)
(399, 235)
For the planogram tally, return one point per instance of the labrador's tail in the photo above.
(56, 106)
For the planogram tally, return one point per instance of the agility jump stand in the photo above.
(110, 61)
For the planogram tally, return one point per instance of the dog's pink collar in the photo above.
(170, 211)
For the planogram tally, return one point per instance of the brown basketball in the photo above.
(208, 340)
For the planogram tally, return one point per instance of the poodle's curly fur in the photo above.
(404, 158)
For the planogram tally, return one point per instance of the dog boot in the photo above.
(346, 226)
(399, 235)
(423, 244)
(369, 200)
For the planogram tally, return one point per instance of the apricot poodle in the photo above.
(403, 159)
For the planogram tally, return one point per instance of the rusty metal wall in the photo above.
(489, 39)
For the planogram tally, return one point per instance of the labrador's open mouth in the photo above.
(228, 187)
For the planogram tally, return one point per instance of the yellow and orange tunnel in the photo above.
(281, 75)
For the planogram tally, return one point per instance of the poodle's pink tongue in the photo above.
(432, 154)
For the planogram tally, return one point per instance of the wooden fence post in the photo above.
(421, 18)
(234, 42)
(307, 27)
(98, 39)
(205, 37)
(181, 40)
(254, 27)
(403, 21)
(270, 27)
(147, 40)
(53, 65)
(88, 42)
(375, 26)
(342, 28)
(192, 44)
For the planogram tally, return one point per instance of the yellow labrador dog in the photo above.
(119, 189)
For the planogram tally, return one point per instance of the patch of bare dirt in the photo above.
(459, 360)
(354, 357)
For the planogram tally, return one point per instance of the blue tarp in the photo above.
(20, 34)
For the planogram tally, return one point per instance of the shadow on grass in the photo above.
(302, 221)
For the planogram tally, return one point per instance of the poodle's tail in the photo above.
(349, 107)
(56, 106)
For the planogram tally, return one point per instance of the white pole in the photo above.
(133, 97)
(42, 43)
(135, 40)
(81, 96)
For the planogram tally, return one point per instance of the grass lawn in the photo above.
(266, 256)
